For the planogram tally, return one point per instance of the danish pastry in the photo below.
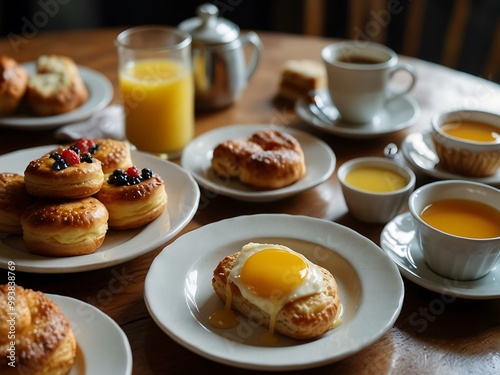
(133, 197)
(14, 199)
(113, 154)
(268, 159)
(56, 87)
(44, 340)
(65, 175)
(66, 228)
(13, 85)
(280, 289)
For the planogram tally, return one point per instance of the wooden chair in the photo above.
(361, 14)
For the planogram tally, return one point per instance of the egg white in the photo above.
(311, 285)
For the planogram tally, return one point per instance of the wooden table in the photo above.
(460, 336)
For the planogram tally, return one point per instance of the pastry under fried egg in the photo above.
(278, 288)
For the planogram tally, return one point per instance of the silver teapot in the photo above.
(220, 67)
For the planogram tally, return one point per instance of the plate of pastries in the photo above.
(274, 292)
(89, 204)
(52, 338)
(258, 163)
(49, 92)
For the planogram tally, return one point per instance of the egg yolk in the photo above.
(273, 273)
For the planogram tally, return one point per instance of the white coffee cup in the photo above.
(359, 74)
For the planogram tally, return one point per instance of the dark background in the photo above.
(268, 15)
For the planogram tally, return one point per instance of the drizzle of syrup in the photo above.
(224, 318)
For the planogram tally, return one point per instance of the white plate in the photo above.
(100, 94)
(319, 159)
(102, 346)
(399, 242)
(419, 150)
(398, 114)
(119, 246)
(180, 298)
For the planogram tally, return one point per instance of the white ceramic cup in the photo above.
(375, 207)
(361, 90)
(455, 257)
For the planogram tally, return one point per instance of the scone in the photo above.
(268, 159)
(13, 85)
(44, 341)
(65, 175)
(66, 228)
(280, 289)
(299, 77)
(14, 199)
(133, 197)
(56, 87)
(113, 154)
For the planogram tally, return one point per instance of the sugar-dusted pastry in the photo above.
(133, 197)
(64, 175)
(65, 228)
(56, 87)
(269, 159)
(14, 199)
(278, 288)
(44, 341)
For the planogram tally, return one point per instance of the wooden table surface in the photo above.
(433, 334)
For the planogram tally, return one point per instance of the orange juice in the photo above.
(472, 131)
(375, 179)
(462, 217)
(158, 98)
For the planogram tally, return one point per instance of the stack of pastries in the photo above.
(68, 198)
(55, 88)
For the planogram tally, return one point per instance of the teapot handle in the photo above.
(255, 41)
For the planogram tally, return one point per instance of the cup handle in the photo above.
(411, 71)
(253, 39)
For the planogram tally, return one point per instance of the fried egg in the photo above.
(270, 276)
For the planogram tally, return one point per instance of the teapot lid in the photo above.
(208, 27)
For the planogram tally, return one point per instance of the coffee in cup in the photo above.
(359, 75)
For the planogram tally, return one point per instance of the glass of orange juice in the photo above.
(156, 83)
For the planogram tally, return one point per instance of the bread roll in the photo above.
(56, 87)
(65, 228)
(269, 159)
(13, 85)
(14, 199)
(44, 341)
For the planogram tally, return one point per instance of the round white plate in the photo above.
(100, 94)
(399, 242)
(419, 150)
(397, 115)
(119, 246)
(180, 298)
(102, 346)
(319, 159)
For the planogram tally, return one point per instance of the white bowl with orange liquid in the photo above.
(375, 189)
(467, 142)
(457, 223)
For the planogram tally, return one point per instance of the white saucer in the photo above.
(100, 94)
(319, 159)
(398, 114)
(419, 150)
(180, 298)
(102, 346)
(399, 242)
